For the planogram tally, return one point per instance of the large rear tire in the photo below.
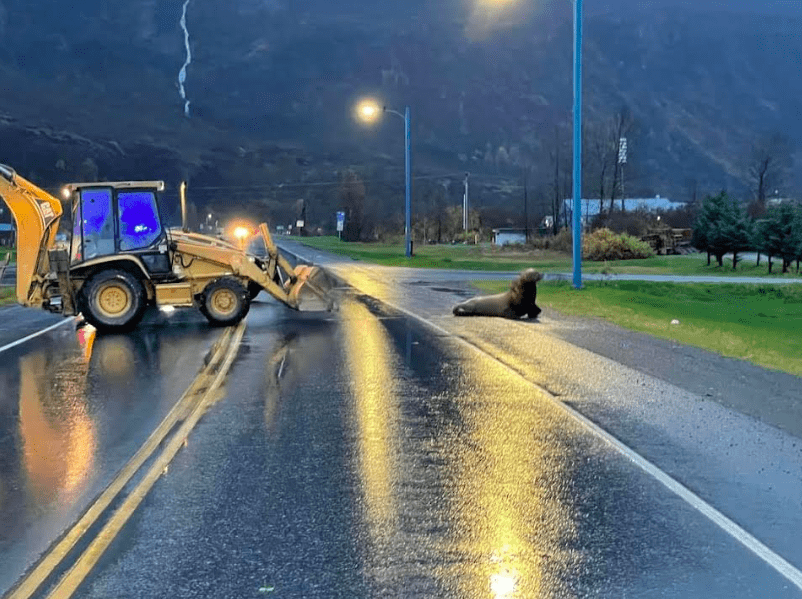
(113, 300)
(254, 289)
(225, 302)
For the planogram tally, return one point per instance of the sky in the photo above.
(759, 6)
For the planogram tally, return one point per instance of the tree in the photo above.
(556, 156)
(432, 196)
(600, 156)
(768, 162)
(721, 228)
(737, 230)
(780, 234)
(351, 196)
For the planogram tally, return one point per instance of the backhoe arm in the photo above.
(37, 215)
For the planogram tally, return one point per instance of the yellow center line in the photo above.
(84, 564)
(29, 585)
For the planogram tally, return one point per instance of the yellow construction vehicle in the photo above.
(121, 259)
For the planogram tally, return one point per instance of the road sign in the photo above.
(340, 221)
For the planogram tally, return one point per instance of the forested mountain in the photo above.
(91, 88)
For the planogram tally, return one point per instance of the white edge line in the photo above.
(36, 334)
(773, 559)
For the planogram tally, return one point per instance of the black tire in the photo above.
(113, 300)
(225, 302)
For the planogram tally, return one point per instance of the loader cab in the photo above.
(116, 218)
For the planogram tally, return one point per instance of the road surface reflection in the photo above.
(58, 434)
(373, 380)
(513, 519)
(459, 474)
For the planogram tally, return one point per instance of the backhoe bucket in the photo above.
(36, 214)
(311, 290)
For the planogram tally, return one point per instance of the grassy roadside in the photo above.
(7, 296)
(5, 251)
(761, 324)
(484, 258)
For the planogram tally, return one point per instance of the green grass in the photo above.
(485, 258)
(7, 293)
(761, 324)
(7, 296)
(4, 251)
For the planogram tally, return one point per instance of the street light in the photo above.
(242, 233)
(368, 111)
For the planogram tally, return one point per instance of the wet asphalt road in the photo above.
(363, 454)
(71, 415)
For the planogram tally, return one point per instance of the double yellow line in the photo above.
(193, 404)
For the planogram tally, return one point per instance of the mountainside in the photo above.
(272, 85)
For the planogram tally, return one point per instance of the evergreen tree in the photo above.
(721, 227)
(780, 234)
(714, 226)
(788, 242)
(737, 231)
(765, 238)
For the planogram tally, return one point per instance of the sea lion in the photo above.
(515, 303)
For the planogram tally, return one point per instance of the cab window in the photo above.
(139, 220)
(97, 219)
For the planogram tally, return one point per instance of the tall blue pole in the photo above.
(577, 222)
(408, 168)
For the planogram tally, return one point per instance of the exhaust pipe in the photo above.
(183, 192)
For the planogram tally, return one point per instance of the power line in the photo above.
(241, 189)
(279, 186)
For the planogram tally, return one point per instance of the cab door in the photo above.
(141, 231)
(109, 221)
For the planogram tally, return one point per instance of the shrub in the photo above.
(603, 244)
(562, 241)
(559, 243)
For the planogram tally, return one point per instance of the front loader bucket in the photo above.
(311, 290)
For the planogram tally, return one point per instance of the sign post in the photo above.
(340, 224)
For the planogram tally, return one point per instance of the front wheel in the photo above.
(113, 300)
(225, 302)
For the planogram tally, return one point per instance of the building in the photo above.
(509, 236)
(590, 207)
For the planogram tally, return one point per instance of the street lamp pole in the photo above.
(577, 223)
(368, 111)
(408, 179)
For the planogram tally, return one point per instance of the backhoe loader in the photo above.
(121, 259)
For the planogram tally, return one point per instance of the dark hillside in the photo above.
(269, 78)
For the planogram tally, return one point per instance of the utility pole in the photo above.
(465, 205)
(526, 210)
(622, 160)
(408, 185)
